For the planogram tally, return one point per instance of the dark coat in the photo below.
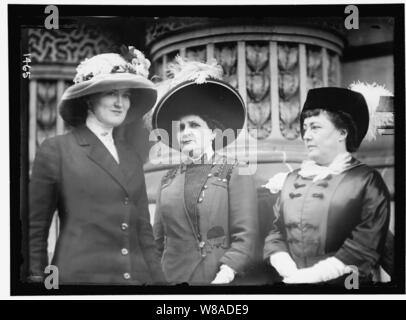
(103, 209)
(345, 215)
(209, 222)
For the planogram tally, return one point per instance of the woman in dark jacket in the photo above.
(95, 181)
(333, 212)
(206, 217)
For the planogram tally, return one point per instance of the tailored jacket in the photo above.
(105, 231)
(206, 216)
(344, 215)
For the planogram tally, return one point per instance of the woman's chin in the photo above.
(312, 155)
(315, 157)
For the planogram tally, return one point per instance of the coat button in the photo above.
(124, 226)
(126, 200)
(209, 175)
(318, 195)
(205, 187)
(124, 251)
(127, 276)
(200, 200)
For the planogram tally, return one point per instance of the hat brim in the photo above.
(214, 99)
(143, 96)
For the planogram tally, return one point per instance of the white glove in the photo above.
(225, 275)
(325, 270)
(283, 263)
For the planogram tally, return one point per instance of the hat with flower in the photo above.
(106, 72)
(197, 88)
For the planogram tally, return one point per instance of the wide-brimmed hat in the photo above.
(105, 72)
(341, 100)
(197, 89)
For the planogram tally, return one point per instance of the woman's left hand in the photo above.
(225, 275)
(325, 270)
(307, 275)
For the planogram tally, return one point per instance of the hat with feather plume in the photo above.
(360, 102)
(373, 94)
(196, 88)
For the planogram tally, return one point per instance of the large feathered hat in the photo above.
(197, 89)
(359, 102)
(105, 72)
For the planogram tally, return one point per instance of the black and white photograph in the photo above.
(206, 149)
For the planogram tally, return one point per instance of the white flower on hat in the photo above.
(131, 60)
(138, 63)
(372, 94)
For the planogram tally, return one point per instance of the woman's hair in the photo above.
(213, 124)
(78, 114)
(340, 120)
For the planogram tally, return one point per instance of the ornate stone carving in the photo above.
(288, 84)
(289, 107)
(289, 118)
(314, 68)
(258, 88)
(226, 56)
(68, 46)
(333, 68)
(196, 54)
(170, 58)
(162, 27)
(46, 110)
(157, 71)
(294, 77)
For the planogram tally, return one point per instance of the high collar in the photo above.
(97, 128)
(341, 162)
(205, 158)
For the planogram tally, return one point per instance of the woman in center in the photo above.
(206, 217)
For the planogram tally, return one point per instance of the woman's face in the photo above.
(110, 108)
(322, 139)
(194, 135)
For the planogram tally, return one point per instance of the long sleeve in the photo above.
(243, 222)
(43, 200)
(364, 246)
(158, 227)
(146, 237)
(276, 240)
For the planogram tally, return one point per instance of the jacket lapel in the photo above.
(128, 161)
(97, 152)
